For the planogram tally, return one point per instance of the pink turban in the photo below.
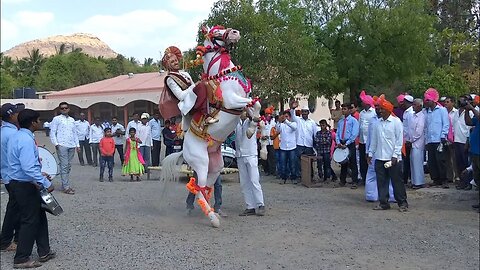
(400, 98)
(431, 94)
(367, 99)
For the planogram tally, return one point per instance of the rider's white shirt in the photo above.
(187, 97)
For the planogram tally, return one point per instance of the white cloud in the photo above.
(194, 5)
(31, 19)
(9, 33)
(14, 1)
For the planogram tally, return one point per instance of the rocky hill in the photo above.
(89, 44)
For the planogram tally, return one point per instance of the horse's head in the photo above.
(220, 36)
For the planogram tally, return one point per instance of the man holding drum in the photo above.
(26, 181)
(347, 132)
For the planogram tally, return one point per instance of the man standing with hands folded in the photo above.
(386, 148)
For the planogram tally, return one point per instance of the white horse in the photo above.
(201, 149)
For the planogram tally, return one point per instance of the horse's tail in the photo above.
(170, 166)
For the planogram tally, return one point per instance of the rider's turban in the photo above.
(172, 50)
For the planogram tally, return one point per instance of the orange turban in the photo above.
(269, 110)
(386, 105)
(476, 100)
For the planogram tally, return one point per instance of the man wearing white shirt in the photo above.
(462, 134)
(246, 153)
(416, 137)
(96, 134)
(386, 148)
(288, 144)
(156, 130)
(407, 114)
(83, 131)
(144, 133)
(63, 135)
(364, 120)
(305, 133)
(269, 123)
(118, 132)
(452, 174)
(135, 122)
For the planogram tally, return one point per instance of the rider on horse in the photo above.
(180, 96)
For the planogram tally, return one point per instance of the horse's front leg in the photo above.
(231, 97)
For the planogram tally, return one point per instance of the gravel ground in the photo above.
(124, 225)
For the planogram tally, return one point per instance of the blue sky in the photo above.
(141, 28)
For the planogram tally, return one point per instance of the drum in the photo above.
(50, 204)
(48, 162)
(341, 155)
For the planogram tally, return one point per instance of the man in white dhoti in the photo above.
(247, 161)
(416, 126)
(371, 190)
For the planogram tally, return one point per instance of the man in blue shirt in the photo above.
(474, 142)
(347, 132)
(436, 131)
(11, 221)
(156, 130)
(26, 180)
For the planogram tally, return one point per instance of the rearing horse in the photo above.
(201, 145)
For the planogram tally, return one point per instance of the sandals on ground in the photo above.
(27, 264)
(69, 191)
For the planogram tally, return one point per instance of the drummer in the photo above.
(347, 132)
(26, 179)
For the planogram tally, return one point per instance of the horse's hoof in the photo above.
(214, 220)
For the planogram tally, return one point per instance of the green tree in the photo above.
(378, 42)
(277, 49)
(7, 84)
(55, 74)
(448, 80)
(85, 69)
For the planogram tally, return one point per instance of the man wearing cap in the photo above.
(305, 134)
(436, 131)
(365, 117)
(11, 221)
(63, 135)
(347, 132)
(144, 133)
(386, 148)
(26, 180)
(407, 114)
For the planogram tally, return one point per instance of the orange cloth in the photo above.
(107, 146)
(269, 110)
(386, 105)
(276, 141)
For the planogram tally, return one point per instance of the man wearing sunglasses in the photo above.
(64, 136)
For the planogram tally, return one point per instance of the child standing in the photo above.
(107, 149)
(323, 143)
(134, 162)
